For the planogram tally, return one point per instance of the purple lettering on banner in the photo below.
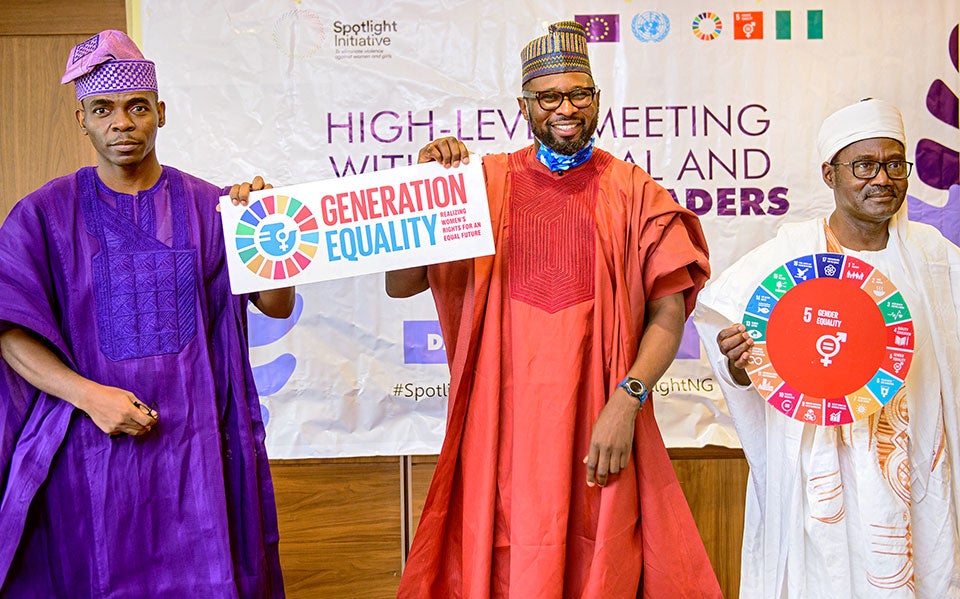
(746, 163)
(778, 198)
(414, 124)
(750, 200)
(348, 126)
(764, 123)
(460, 134)
(726, 199)
(699, 201)
(392, 160)
(676, 119)
(481, 122)
(713, 159)
(651, 119)
(516, 121)
(395, 130)
(627, 120)
(423, 343)
(604, 123)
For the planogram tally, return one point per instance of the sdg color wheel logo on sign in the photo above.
(277, 237)
(833, 339)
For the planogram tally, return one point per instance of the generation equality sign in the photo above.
(397, 218)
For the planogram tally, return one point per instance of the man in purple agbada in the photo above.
(132, 460)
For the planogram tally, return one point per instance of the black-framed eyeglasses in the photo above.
(580, 97)
(146, 410)
(868, 169)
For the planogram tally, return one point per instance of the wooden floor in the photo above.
(343, 522)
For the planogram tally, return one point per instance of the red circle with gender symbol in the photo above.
(833, 339)
(826, 338)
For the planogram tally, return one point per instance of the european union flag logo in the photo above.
(600, 28)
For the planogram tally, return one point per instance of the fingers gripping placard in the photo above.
(833, 339)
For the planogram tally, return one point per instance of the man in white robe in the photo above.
(867, 509)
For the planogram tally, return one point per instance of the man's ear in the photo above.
(161, 113)
(523, 109)
(828, 173)
(80, 116)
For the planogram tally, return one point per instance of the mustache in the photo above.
(876, 190)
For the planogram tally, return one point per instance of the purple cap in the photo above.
(109, 63)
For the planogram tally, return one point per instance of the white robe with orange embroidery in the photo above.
(868, 509)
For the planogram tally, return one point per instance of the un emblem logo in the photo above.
(650, 26)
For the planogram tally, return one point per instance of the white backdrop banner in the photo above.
(720, 104)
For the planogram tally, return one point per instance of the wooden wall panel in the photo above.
(340, 527)
(714, 481)
(421, 472)
(61, 17)
(39, 137)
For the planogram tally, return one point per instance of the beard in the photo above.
(566, 146)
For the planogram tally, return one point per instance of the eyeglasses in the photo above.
(146, 410)
(868, 169)
(580, 97)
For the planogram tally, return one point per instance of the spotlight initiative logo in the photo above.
(299, 33)
(277, 237)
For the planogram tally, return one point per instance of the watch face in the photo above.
(635, 387)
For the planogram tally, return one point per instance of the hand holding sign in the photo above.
(385, 220)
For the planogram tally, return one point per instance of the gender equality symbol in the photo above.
(277, 237)
(833, 339)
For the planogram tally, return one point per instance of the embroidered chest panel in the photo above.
(552, 240)
(145, 290)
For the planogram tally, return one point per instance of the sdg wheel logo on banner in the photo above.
(277, 237)
(833, 339)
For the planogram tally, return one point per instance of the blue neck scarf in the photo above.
(563, 162)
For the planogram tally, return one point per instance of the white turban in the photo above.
(864, 120)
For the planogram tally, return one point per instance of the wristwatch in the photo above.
(635, 388)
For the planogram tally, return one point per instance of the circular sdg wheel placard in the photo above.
(833, 339)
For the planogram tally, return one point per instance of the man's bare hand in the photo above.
(448, 151)
(240, 192)
(735, 343)
(117, 411)
(611, 442)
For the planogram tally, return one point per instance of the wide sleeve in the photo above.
(28, 286)
(673, 246)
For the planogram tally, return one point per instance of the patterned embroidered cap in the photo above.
(108, 63)
(562, 50)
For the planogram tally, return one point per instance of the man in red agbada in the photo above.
(553, 480)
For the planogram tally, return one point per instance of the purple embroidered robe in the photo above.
(132, 292)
